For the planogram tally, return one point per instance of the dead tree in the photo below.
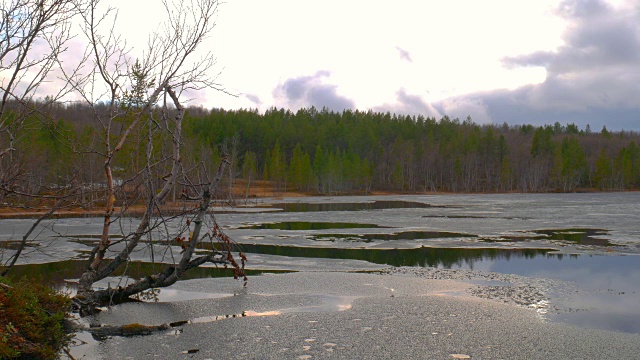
(144, 115)
(136, 108)
(34, 34)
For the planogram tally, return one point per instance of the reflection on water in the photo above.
(425, 256)
(607, 294)
(59, 273)
(329, 303)
(262, 313)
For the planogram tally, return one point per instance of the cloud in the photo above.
(599, 37)
(607, 41)
(307, 91)
(582, 8)
(253, 98)
(461, 107)
(408, 104)
(404, 54)
(595, 71)
(517, 107)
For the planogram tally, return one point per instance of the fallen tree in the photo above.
(148, 116)
(133, 129)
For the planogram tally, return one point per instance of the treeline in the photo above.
(326, 152)
(353, 151)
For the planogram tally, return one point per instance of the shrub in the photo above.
(31, 320)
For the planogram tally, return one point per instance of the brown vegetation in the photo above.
(31, 320)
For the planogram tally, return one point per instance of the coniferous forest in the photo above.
(330, 152)
(351, 152)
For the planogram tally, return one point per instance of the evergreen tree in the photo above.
(320, 169)
(277, 167)
(602, 175)
(574, 164)
(299, 168)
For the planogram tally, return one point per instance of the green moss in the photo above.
(31, 320)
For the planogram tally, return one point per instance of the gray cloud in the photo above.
(582, 8)
(461, 107)
(516, 107)
(306, 91)
(597, 36)
(253, 98)
(593, 78)
(404, 54)
(408, 104)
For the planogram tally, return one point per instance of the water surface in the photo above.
(590, 240)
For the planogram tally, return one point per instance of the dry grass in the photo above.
(258, 189)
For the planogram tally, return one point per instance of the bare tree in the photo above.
(135, 131)
(144, 115)
(33, 36)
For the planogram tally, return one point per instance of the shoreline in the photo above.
(12, 212)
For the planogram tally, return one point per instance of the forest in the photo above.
(351, 152)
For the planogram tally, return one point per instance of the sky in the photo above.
(514, 61)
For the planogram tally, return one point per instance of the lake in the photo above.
(589, 241)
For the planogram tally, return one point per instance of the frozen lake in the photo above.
(590, 240)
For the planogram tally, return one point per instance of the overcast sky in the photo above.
(514, 61)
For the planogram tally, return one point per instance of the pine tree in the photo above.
(602, 175)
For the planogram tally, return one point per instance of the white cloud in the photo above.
(455, 46)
